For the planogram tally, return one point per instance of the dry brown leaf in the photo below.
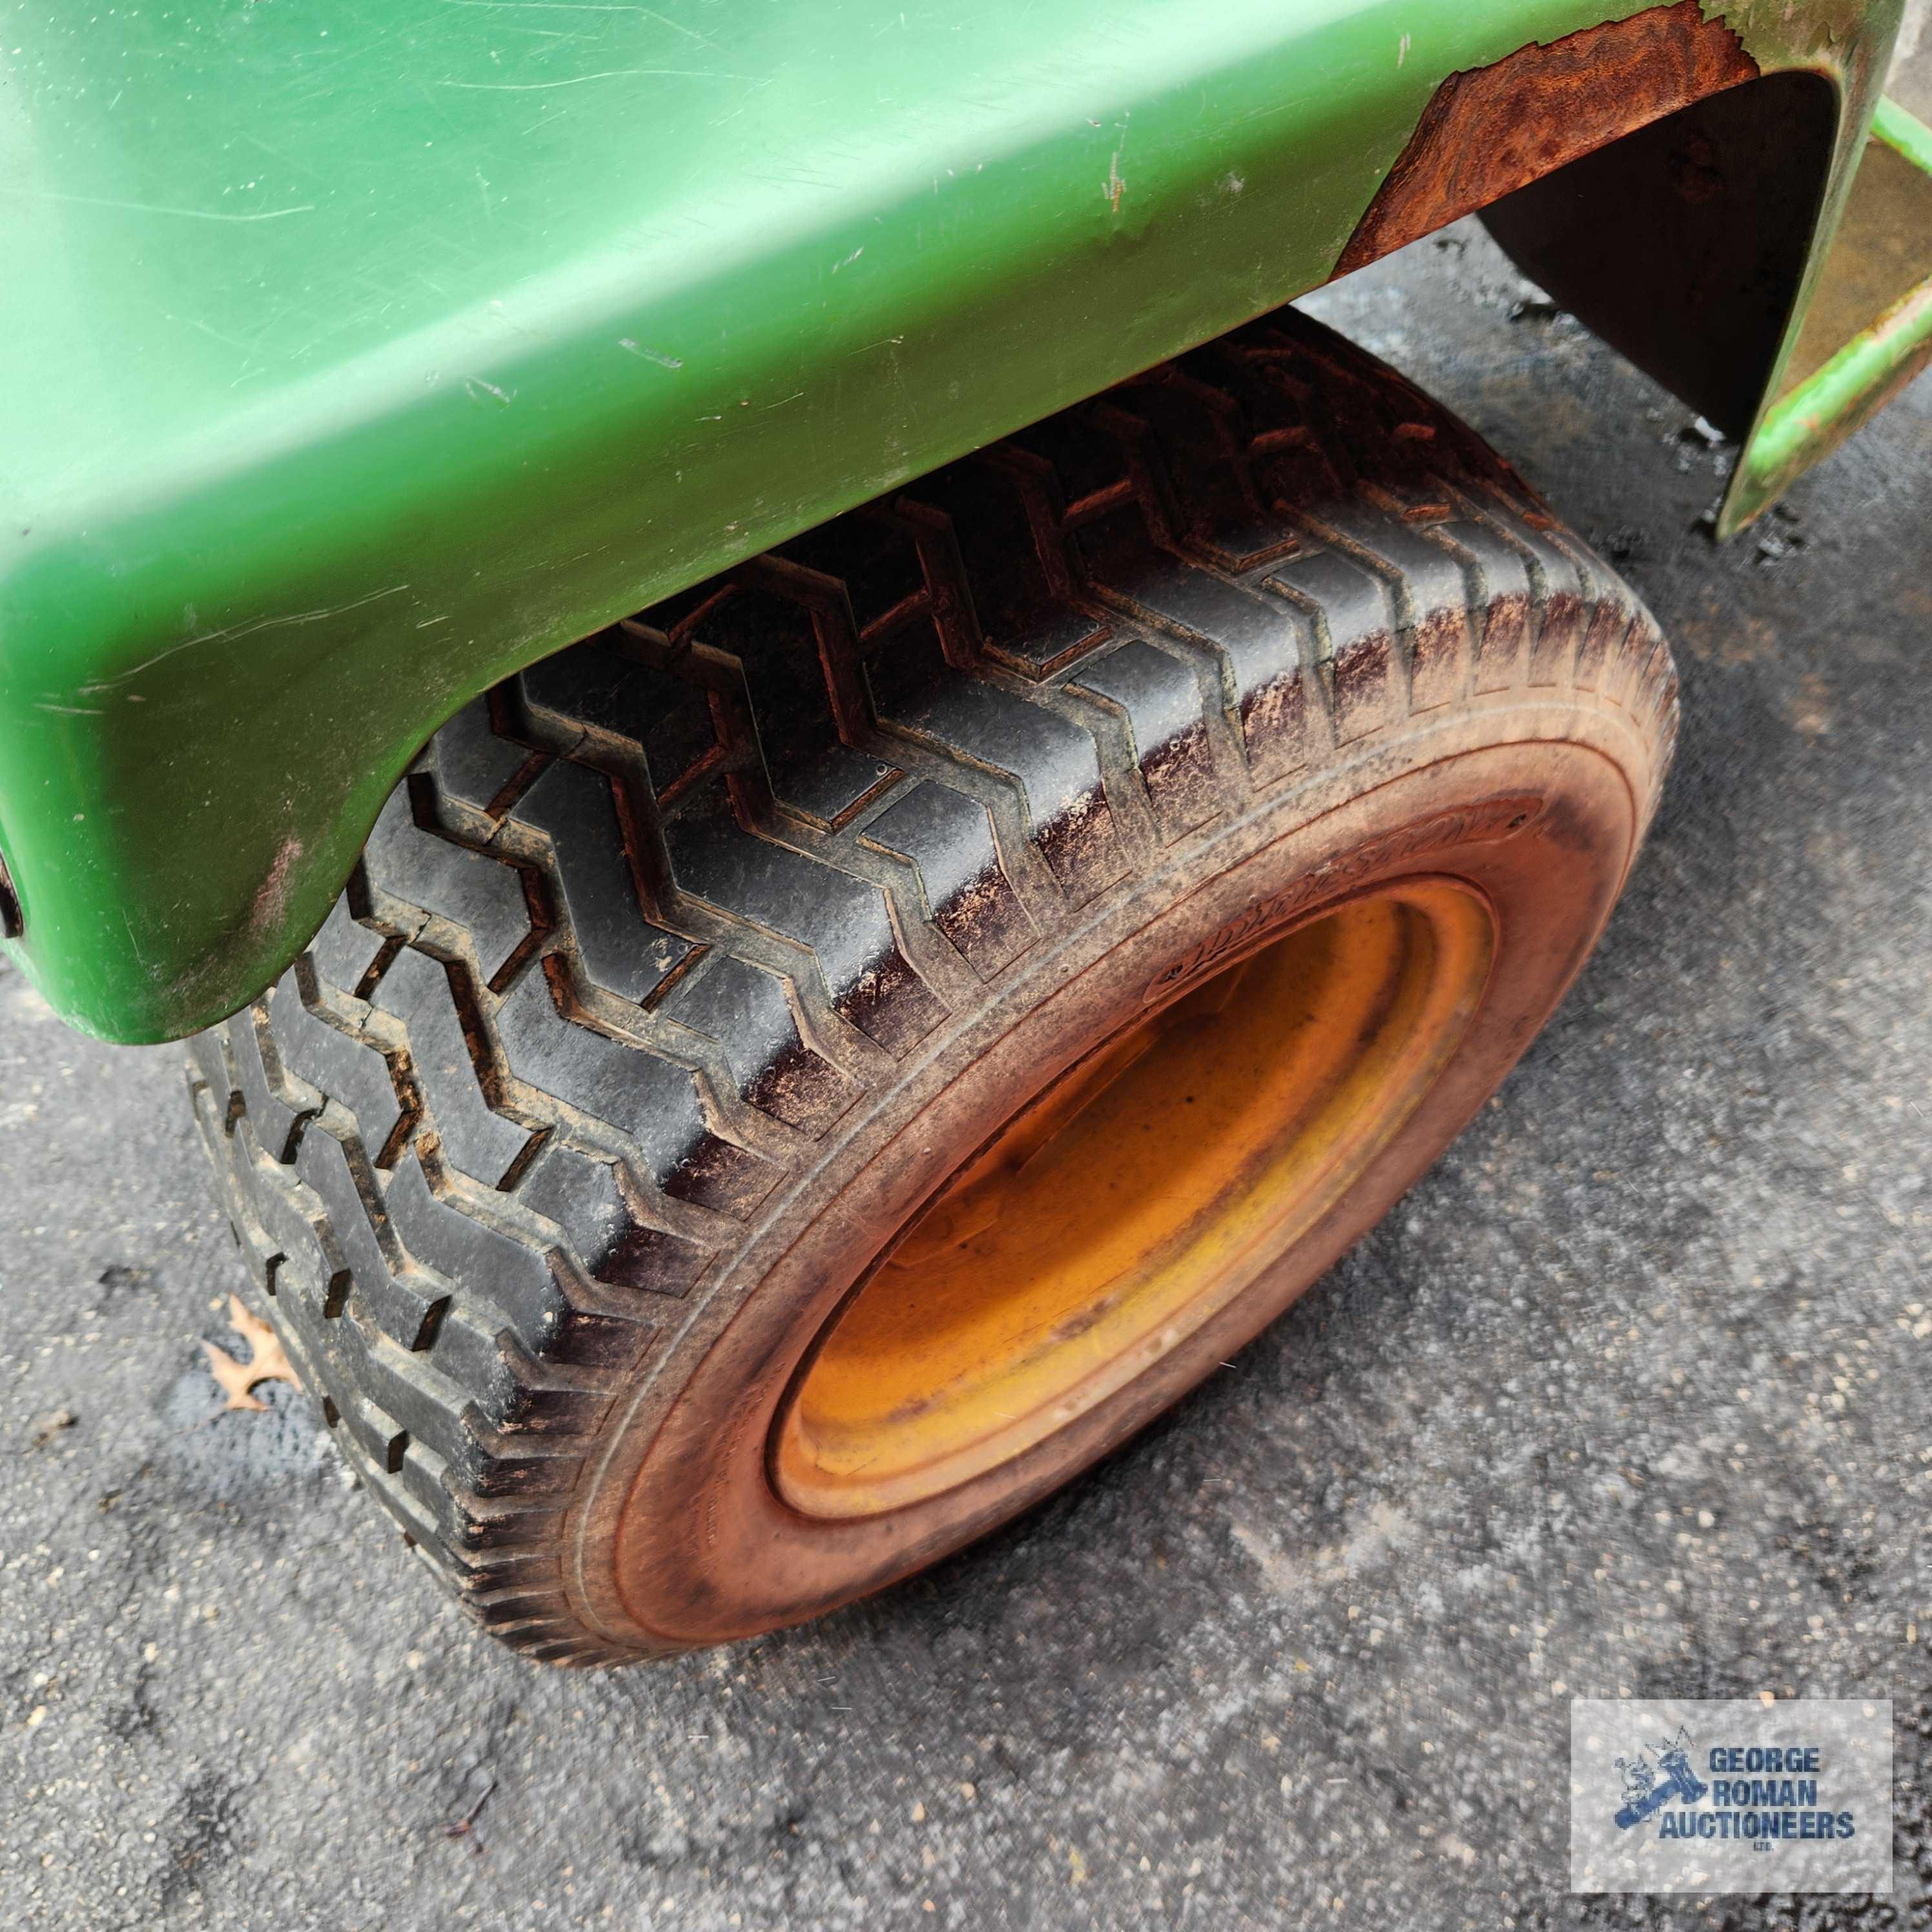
(47, 1426)
(265, 1362)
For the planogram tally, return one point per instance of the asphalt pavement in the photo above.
(1629, 1395)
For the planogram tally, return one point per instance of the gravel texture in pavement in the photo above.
(1631, 1395)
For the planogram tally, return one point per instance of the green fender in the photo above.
(355, 356)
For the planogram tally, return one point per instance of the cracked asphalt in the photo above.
(1631, 1395)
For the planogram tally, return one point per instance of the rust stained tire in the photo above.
(683, 974)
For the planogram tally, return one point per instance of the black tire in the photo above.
(658, 951)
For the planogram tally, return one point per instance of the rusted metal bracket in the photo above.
(1495, 129)
(1671, 180)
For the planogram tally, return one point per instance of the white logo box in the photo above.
(1730, 1795)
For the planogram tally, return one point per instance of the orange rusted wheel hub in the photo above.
(1144, 1189)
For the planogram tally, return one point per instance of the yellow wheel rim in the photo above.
(1142, 1192)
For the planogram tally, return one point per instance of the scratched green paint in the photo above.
(1809, 423)
(356, 354)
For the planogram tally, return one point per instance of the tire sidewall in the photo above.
(682, 1541)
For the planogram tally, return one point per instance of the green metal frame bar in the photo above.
(1812, 420)
(355, 356)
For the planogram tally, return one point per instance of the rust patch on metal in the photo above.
(1494, 129)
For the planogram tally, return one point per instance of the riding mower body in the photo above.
(827, 806)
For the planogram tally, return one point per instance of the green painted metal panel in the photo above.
(1810, 420)
(356, 354)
